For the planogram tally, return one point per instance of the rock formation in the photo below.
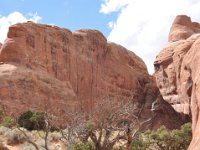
(52, 69)
(178, 72)
(182, 28)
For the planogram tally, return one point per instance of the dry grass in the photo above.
(13, 139)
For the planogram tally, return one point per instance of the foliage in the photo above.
(55, 136)
(54, 129)
(137, 144)
(164, 139)
(119, 148)
(8, 121)
(32, 120)
(83, 146)
(104, 132)
(89, 125)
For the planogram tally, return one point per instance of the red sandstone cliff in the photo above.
(50, 69)
(178, 72)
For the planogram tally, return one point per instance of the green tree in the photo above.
(32, 120)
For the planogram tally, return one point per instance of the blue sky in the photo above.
(71, 14)
(141, 26)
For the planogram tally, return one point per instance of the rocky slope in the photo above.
(52, 69)
(178, 72)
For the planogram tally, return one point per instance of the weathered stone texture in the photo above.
(178, 72)
(51, 69)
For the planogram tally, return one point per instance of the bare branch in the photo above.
(28, 138)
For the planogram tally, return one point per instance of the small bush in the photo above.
(138, 145)
(32, 120)
(8, 121)
(36, 134)
(54, 129)
(120, 148)
(27, 146)
(164, 139)
(15, 137)
(55, 136)
(4, 130)
(83, 146)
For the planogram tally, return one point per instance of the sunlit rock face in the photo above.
(52, 69)
(178, 72)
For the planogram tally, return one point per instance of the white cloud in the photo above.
(113, 5)
(143, 25)
(13, 18)
(111, 24)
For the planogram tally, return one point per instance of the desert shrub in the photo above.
(54, 129)
(119, 148)
(15, 137)
(37, 134)
(164, 139)
(138, 144)
(40, 143)
(182, 137)
(27, 146)
(32, 120)
(2, 114)
(4, 130)
(57, 146)
(55, 136)
(8, 121)
(83, 146)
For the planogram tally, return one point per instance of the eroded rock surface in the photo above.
(178, 72)
(182, 28)
(51, 69)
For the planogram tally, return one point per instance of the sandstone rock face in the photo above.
(177, 73)
(50, 69)
(182, 28)
(82, 62)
